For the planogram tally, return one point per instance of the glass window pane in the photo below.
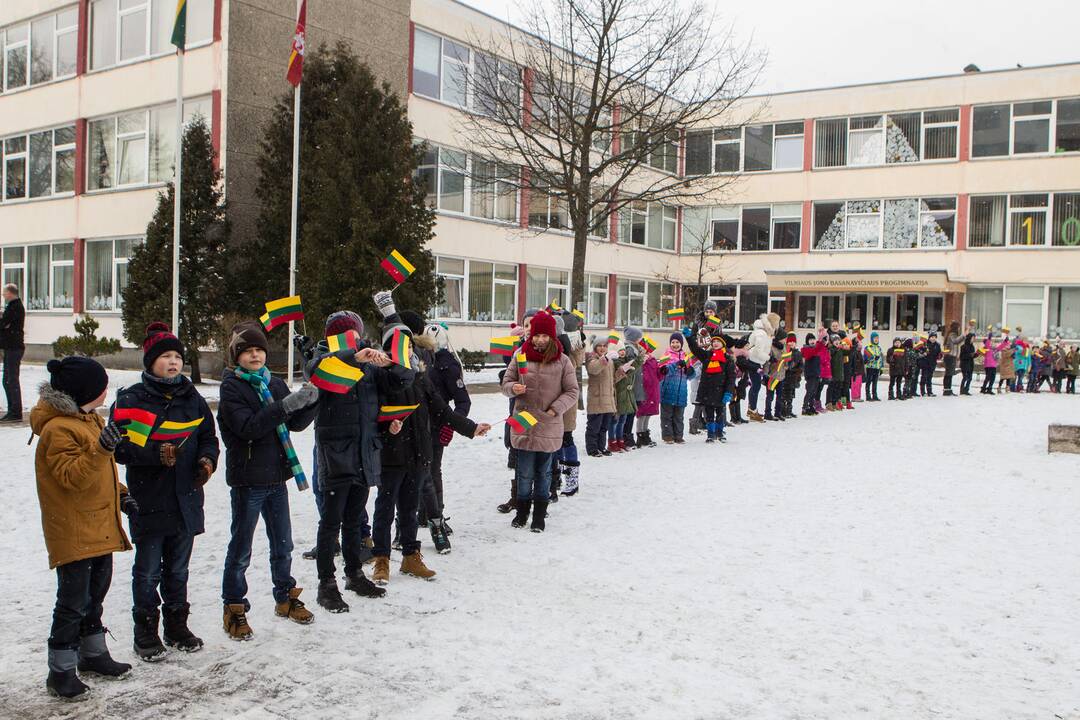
(451, 266)
(1064, 312)
(63, 288)
(941, 143)
(788, 153)
(881, 307)
(132, 161)
(1066, 219)
(1023, 109)
(937, 219)
(727, 157)
(901, 224)
(755, 229)
(830, 143)
(753, 301)
(36, 294)
(830, 309)
(66, 52)
(806, 312)
(698, 153)
(787, 234)
(1031, 136)
(162, 143)
(452, 180)
(455, 73)
(102, 34)
(41, 164)
(907, 312)
(1027, 227)
(933, 313)
(100, 160)
(480, 286)
(426, 51)
(987, 221)
(863, 224)
(758, 148)
(725, 235)
(133, 35)
(866, 147)
(161, 25)
(99, 275)
(41, 43)
(855, 307)
(904, 138)
(829, 226)
(1025, 315)
(1068, 126)
(990, 127)
(1023, 292)
(15, 58)
(984, 306)
(505, 301)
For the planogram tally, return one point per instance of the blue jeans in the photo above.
(755, 383)
(248, 503)
(596, 427)
(161, 560)
(533, 475)
(616, 428)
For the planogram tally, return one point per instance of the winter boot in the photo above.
(176, 632)
(628, 442)
(359, 584)
(311, 554)
(381, 574)
(695, 426)
(147, 643)
(329, 597)
(754, 415)
(414, 565)
(539, 514)
(236, 624)
(710, 428)
(522, 516)
(556, 481)
(62, 682)
(293, 609)
(94, 657)
(573, 479)
(439, 537)
(612, 446)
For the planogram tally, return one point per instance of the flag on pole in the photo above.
(397, 266)
(282, 311)
(335, 375)
(676, 314)
(504, 345)
(613, 337)
(401, 349)
(389, 413)
(172, 430)
(296, 57)
(522, 421)
(340, 342)
(522, 363)
(712, 323)
(553, 306)
(137, 424)
(179, 28)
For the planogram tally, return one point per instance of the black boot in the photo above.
(510, 504)
(556, 481)
(628, 441)
(439, 537)
(62, 682)
(147, 643)
(539, 514)
(522, 516)
(94, 658)
(359, 584)
(329, 597)
(176, 632)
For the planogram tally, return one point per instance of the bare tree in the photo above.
(707, 268)
(592, 98)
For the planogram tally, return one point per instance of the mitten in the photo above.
(446, 434)
(204, 471)
(308, 394)
(167, 453)
(128, 506)
(385, 302)
(110, 437)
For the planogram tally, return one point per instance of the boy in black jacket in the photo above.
(256, 414)
(792, 376)
(928, 363)
(896, 358)
(967, 363)
(716, 386)
(165, 477)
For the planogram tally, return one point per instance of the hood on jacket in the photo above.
(52, 403)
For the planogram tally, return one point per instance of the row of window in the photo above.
(1025, 128)
(748, 229)
(890, 224)
(914, 311)
(39, 50)
(37, 165)
(737, 306)
(46, 273)
(1036, 311)
(1025, 220)
(449, 71)
(754, 148)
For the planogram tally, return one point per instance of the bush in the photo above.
(473, 360)
(85, 342)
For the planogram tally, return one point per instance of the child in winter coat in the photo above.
(811, 355)
(625, 407)
(1021, 364)
(256, 413)
(81, 500)
(793, 370)
(1072, 357)
(874, 363)
(967, 363)
(835, 395)
(165, 476)
(950, 350)
(600, 399)
(675, 371)
(717, 385)
(928, 363)
(774, 382)
(896, 357)
(915, 349)
(649, 402)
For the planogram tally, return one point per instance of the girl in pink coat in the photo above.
(650, 406)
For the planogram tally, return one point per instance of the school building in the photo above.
(903, 205)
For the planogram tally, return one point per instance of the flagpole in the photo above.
(295, 202)
(178, 153)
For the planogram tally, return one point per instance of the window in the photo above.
(984, 305)
(106, 272)
(699, 152)
(987, 222)
(806, 312)
(1064, 313)
(546, 285)
(597, 312)
(486, 290)
(458, 182)
(906, 223)
(1031, 127)
(829, 225)
(1027, 219)
(1066, 223)
(631, 303)
(14, 266)
(725, 229)
(750, 229)
(1068, 126)
(665, 156)
(753, 301)
(759, 140)
(38, 165)
(755, 229)
(727, 150)
(933, 318)
(452, 272)
(494, 190)
(1026, 128)
(427, 49)
(788, 146)
(449, 71)
(866, 140)
(990, 130)
(651, 225)
(755, 148)
(855, 309)
(659, 298)
(786, 226)
(128, 30)
(16, 56)
(40, 50)
(907, 312)
(907, 137)
(881, 306)
(49, 276)
(1023, 308)
(830, 143)
(15, 168)
(644, 303)
(830, 309)
(1021, 220)
(163, 136)
(863, 229)
(547, 209)
(726, 298)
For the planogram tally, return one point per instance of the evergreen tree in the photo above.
(358, 198)
(204, 237)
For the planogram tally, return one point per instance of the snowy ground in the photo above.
(914, 560)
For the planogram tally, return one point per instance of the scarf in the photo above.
(716, 361)
(261, 382)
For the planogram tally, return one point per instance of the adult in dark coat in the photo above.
(11, 342)
(967, 363)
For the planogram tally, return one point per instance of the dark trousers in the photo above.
(833, 393)
(596, 427)
(400, 491)
(896, 386)
(437, 449)
(966, 374)
(812, 385)
(671, 422)
(1058, 377)
(1070, 384)
(316, 491)
(772, 398)
(533, 475)
(343, 508)
(926, 380)
(755, 384)
(248, 504)
(81, 587)
(872, 376)
(714, 414)
(950, 368)
(988, 379)
(12, 389)
(627, 427)
(912, 383)
(161, 561)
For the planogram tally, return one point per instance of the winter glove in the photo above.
(128, 506)
(110, 437)
(307, 395)
(167, 453)
(612, 355)
(681, 364)
(687, 332)
(203, 471)
(727, 398)
(446, 434)
(385, 302)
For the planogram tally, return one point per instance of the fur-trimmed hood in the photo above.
(52, 403)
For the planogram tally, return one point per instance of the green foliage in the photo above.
(204, 237)
(358, 198)
(85, 342)
(473, 360)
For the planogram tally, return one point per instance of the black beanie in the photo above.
(246, 334)
(810, 336)
(82, 378)
(413, 321)
(159, 340)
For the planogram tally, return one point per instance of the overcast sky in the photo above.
(820, 43)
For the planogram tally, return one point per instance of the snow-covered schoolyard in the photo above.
(914, 560)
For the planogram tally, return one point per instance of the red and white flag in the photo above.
(296, 58)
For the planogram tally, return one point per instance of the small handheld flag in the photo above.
(137, 424)
(647, 343)
(712, 322)
(613, 337)
(340, 342)
(389, 413)
(504, 345)
(282, 311)
(171, 430)
(522, 421)
(296, 56)
(401, 349)
(553, 306)
(522, 363)
(397, 266)
(335, 375)
(676, 315)
(578, 314)
(179, 30)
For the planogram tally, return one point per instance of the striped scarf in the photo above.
(261, 382)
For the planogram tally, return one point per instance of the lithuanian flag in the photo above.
(137, 424)
(522, 363)
(676, 314)
(335, 375)
(171, 430)
(613, 337)
(397, 266)
(578, 314)
(340, 342)
(284, 310)
(521, 421)
(504, 345)
(389, 413)
(647, 343)
(553, 306)
(179, 28)
(401, 349)
(712, 322)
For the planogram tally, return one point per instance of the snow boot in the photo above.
(359, 584)
(176, 633)
(62, 682)
(556, 481)
(539, 514)
(695, 426)
(314, 552)
(294, 609)
(439, 537)
(235, 622)
(522, 516)
(329, 597)
(710, 428)
(612, 446)
(414, 565)
(508, 506)
(94, 657)
(147, 643)
(754, 415)
(573, 479)
(381, 574)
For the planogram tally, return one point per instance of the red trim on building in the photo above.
(961, 221)
(808, 145)
(523, 274)
(217, 19)
(523, 199)
(612, 289)
(412, 47)
(965, 133)
(79, 270)
(80, 156)
(215, 126)
(807, 228)
(83, 33)
(526, 97)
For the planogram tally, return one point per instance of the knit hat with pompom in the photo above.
(159, 340)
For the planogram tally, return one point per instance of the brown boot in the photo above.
(294, 609)
(755, 416)
(381, 574)
(235, 622)
(414, 565)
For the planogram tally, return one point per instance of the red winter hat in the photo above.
(542, 324)
(159, 340)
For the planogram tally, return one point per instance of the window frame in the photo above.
(466, 292)
(470, 68)
(116, 263)
(880, 246)
(54, 151)
(740, 141)
(149, 54)
(632, 210)
(51, 266)
(884, 130)
(739, 211)
(598, 290)
(622, 314)
(1051, 131)
(1048, 209)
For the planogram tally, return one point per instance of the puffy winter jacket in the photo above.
(650, 382)
(897, 360)
(873, 357)
(928, 359)
(601, 393)
(812, 358)
(549, 386)
(674, 378)
(761, 341)
(714, 385)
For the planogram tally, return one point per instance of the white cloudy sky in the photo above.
(816, 43)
